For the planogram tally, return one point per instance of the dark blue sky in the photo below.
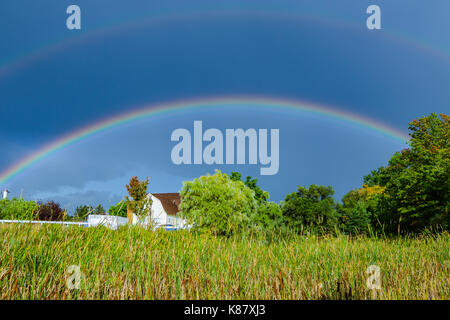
(54, 81)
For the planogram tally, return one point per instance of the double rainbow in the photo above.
(208, 103)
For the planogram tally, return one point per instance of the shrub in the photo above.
(218, 204)
(16, 209)
(50, 211)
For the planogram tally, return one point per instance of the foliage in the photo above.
(358, 212)
(268, 218)
(118, 264)
(138, 200)
(18, 209)
(99, 210)
(120, 209)
(311, 209)
(260, 195)
(50, 211)
(217, 203)
(356, 219)
(417, 180)
(81, 212)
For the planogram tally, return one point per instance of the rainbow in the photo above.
(16, 63)
(196, 104)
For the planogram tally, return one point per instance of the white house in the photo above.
(165, 207)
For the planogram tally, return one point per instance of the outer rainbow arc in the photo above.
(60, 45)
(263, 102)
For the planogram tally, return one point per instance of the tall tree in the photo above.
(81, 212)
(417, 180)
(260, 195)
(138, 200)
(99, 210)
(218, 204)
(311, 209)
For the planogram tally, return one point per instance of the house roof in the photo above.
(170, 202)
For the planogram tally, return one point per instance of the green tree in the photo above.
(417, 180)
(268, 217)
(356, 219)
(138, 200)
(358, 212)
(99, 210)
(120, 209)
(311, 209)
(82, 211)
(260, 195)
(218, 204)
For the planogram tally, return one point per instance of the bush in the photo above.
(311, 209)
(217, 204)
(15, 209)
(51, 211)
(120, 209)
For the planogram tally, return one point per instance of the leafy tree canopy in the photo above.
(120, 209)
(217, 203)
(417, 180)
(138, 200)
(51, 211)
(260, 195)
(18, 209)
(82, 211)
(311, 209)
(99, 210)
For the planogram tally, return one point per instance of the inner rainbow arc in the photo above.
(155, 109)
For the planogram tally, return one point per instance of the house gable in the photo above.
(169, 201)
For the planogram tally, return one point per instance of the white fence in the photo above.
(81, 224)
(94, 220)
(112, 222)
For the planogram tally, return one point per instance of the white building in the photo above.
(165, 207)
(5, 194)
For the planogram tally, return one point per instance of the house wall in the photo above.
(158, 215)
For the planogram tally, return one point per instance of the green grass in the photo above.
(132, 263)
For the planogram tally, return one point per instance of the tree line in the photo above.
(408, 195)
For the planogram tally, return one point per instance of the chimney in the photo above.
(5, 194)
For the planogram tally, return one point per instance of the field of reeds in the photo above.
(134, 263)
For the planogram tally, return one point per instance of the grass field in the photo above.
(132, 263)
